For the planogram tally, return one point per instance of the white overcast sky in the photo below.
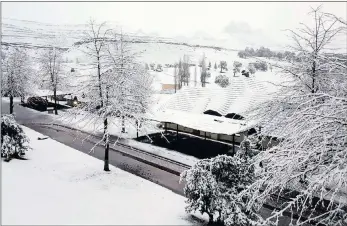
(171, 19)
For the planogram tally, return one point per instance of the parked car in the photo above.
(37, 103)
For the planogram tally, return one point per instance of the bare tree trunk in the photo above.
(55, 101)
(99, 76)
(11, 104)
(210, 218)
(123, 124)
(107, 146)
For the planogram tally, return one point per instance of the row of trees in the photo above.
(267, 53)
(309, 166)
(117, 91)
(182, 72)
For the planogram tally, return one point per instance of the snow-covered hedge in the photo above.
(14, 142)
(213, 187)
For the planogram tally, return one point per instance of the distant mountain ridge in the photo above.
(33, 34)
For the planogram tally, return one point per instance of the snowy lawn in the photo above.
(60, 185)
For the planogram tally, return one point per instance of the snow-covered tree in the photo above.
(185, 69)
(213, 187)
(309, 117)
(146, 67)
(251, 68)
(222, 80)
(176, 79)
(260, 65)
(16, 80)
(14, 142)
(237, 67)
(159, 68)
(223, 66)
(51, 68)
(195, 75)
(203, 74)
(215, 66)
(120, 90)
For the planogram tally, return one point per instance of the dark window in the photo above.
(234, 116)
(211, 112)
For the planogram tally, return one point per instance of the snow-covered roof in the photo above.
(188, 105)
(240, 95)
(207, 123)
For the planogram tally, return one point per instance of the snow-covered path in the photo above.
(59, 185)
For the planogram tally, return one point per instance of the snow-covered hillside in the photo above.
(158, 50)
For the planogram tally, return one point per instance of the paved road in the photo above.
(75, 140)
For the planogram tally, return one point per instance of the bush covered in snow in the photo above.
(14, 142)
(222, 80)
(213, 187)
(260, 66)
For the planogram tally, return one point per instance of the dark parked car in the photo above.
(37, 103)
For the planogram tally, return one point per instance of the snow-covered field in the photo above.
(60, 185)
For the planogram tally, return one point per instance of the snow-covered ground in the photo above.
(131, 132)
(60, 185)
(164, 152)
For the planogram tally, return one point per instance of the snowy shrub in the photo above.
(14, 142)
(213, 187)
(222, 80)
(201, 188)
(245, 148)
(260, 66)
(159, 68)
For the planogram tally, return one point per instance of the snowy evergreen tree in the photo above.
(14, 142)
(213, 187)
(215, 66)
(195, 75)
(185, 70)
(176, 77)
(146, 67)
(203, 73)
